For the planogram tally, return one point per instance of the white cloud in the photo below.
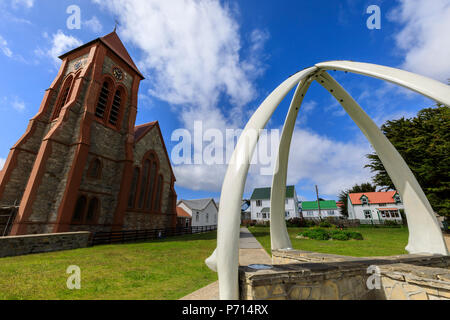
(18, 104)
(424, 36)
(94, 24)
(2, 163)
(22, 3)
(62, 43)
(4, 47)
(192, 50)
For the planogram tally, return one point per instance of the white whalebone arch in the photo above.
(425, 235)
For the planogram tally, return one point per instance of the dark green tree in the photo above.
(357, 188)
(424, 143)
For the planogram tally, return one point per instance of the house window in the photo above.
(286, 214)
(133, 188)
(79, 209)
(102, 100)
(286, 201)
(383, 214)
(197, 217)
(364, 200)
(92, 210)
(95, 169)
(63, 97)
(207, 217)
(310, 213)
(115, 108)
(258, 203)
(367, 214)
(264, 216)
(331, 213)
(395, 214)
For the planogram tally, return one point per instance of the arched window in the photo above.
(157, 205)
(79, 209)
(92, 210)
(63, 95)
(103, 100)
(95, 169)
(133, 189)
(115, 108)
(144, 183)
(151, 186)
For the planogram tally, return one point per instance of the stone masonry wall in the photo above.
(306, 275)
(407, 282)
(26, 244)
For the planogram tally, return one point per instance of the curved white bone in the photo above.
(225, 259)
(425, 235)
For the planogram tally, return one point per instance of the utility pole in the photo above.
(318, 202)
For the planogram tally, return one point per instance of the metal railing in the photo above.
(111, 237)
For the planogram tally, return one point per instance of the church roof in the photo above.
(113, 42)
(141, 130)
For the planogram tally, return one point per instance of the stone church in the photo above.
(82, 164)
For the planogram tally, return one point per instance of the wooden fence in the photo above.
(142, 235)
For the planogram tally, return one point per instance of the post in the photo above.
(318, 202)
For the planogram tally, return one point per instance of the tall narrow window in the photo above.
(95, 169)
(92, 210)
(134, 181)
(157, 206)
(151, 186)
(63, 97)
(79, 209)
(144, 183)
(102, 100)
(115, 108)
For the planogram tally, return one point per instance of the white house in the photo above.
(328, 208)
(203, 211)
(375, 207)
(260, 204)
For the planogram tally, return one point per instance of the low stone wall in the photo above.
(408, 282)
(303, 275)
(35, 243)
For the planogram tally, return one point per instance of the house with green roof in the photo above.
(260, 204)
(328, 208)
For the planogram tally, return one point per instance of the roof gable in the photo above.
(374, 197)
(142, 130)
(182, 213)
(197, 204)
(112, 42)
(264, 193)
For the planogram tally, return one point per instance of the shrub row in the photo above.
(335, 234)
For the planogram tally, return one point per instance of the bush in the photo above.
(339, 235)
(391, 223)
(323, 234)
(354, 235)
(325, 224)
(316, 233)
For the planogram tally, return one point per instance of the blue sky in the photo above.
(216, 61)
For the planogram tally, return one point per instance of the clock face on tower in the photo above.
(118, 74)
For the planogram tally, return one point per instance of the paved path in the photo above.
(250, 252)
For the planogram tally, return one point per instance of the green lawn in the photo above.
(377, 242)
(165, 269)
